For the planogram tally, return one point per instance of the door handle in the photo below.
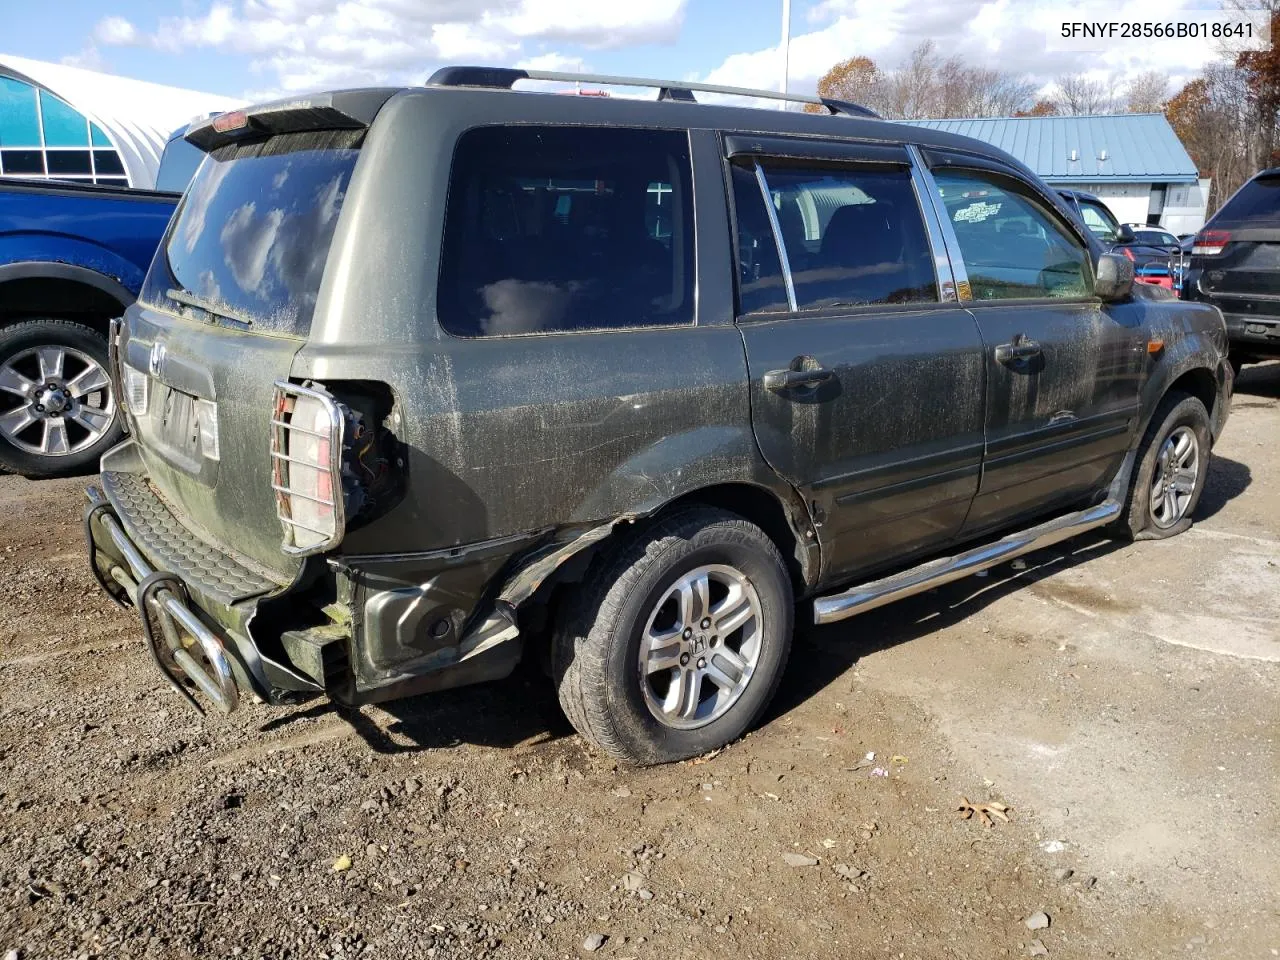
(779, 380)
(1020, 349)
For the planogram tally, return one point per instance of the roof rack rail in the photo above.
(504, 78)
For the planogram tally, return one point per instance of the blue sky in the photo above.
(255, 48)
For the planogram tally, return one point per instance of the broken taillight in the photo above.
(307, 431)
(1210, 243)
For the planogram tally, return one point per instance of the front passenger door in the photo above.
(1063, 369)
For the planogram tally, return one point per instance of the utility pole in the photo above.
(786, 46)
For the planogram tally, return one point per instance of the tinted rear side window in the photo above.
(1257, 200)
(567, 228)
(252, 234)
(853, 235)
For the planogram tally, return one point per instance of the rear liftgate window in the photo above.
(567, 228)
(1257, 200)
(249, 243)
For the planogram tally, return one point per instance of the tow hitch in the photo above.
(161, 601)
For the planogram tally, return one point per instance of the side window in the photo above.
(1012, 247)
(567, 228)
(854, 235)
(1098, 225)
(761, 287)
(178, 165)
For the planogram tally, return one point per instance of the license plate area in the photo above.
(176, 424)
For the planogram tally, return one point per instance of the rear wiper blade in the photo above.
(191, 300)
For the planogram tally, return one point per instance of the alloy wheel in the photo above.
(1174, 483)
(700, 646)
(54, 401)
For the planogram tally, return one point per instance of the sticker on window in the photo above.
(977, 212)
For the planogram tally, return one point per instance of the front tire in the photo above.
(1172, 465)
(677, 642)
(57, 411)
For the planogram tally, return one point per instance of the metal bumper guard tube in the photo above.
(160, 599)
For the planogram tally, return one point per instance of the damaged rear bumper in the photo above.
(218, 632)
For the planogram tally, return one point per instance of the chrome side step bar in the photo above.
(877, 593)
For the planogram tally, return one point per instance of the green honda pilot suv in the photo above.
(425, 380)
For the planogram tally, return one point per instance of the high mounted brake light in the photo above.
(235, 120)
(1210, 243)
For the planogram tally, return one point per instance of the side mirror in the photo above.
(1114, 280)
(1124, 234)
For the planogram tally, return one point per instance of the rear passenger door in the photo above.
(1063, 369)
(867, 377)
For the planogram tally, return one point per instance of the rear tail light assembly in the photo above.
(307, 432)
(335, 465)
(1210, 243)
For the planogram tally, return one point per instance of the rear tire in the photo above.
(57, 412)
(1170, 471)
(677, 641)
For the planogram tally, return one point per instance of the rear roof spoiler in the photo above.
(340, 110)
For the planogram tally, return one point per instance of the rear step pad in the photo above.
(877, 593)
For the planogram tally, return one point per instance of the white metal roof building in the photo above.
(65, 123)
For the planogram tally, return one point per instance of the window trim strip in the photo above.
(944, 267)
(960, 273)
(783, 261)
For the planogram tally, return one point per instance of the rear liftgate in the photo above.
(161, 600)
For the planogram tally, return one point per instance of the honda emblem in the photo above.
(157, 358)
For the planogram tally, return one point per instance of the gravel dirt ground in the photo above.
(1123, 702)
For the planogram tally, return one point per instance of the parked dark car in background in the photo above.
(1094, 214)
(1153, 250)
(420, 378)
(1145, 246)
(1235, 265)
(72, 257)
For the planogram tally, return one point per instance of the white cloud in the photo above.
(299, 45)
(554, 61)
(115, 31)
(89, 58)
(1009, 35)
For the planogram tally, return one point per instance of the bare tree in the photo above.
(1077, 95)
(1214, 118)
(928, 85)
(909, 90)
(1147, 92)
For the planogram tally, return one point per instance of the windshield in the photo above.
(1257, 200)
(249, 242)
(1156, 237)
